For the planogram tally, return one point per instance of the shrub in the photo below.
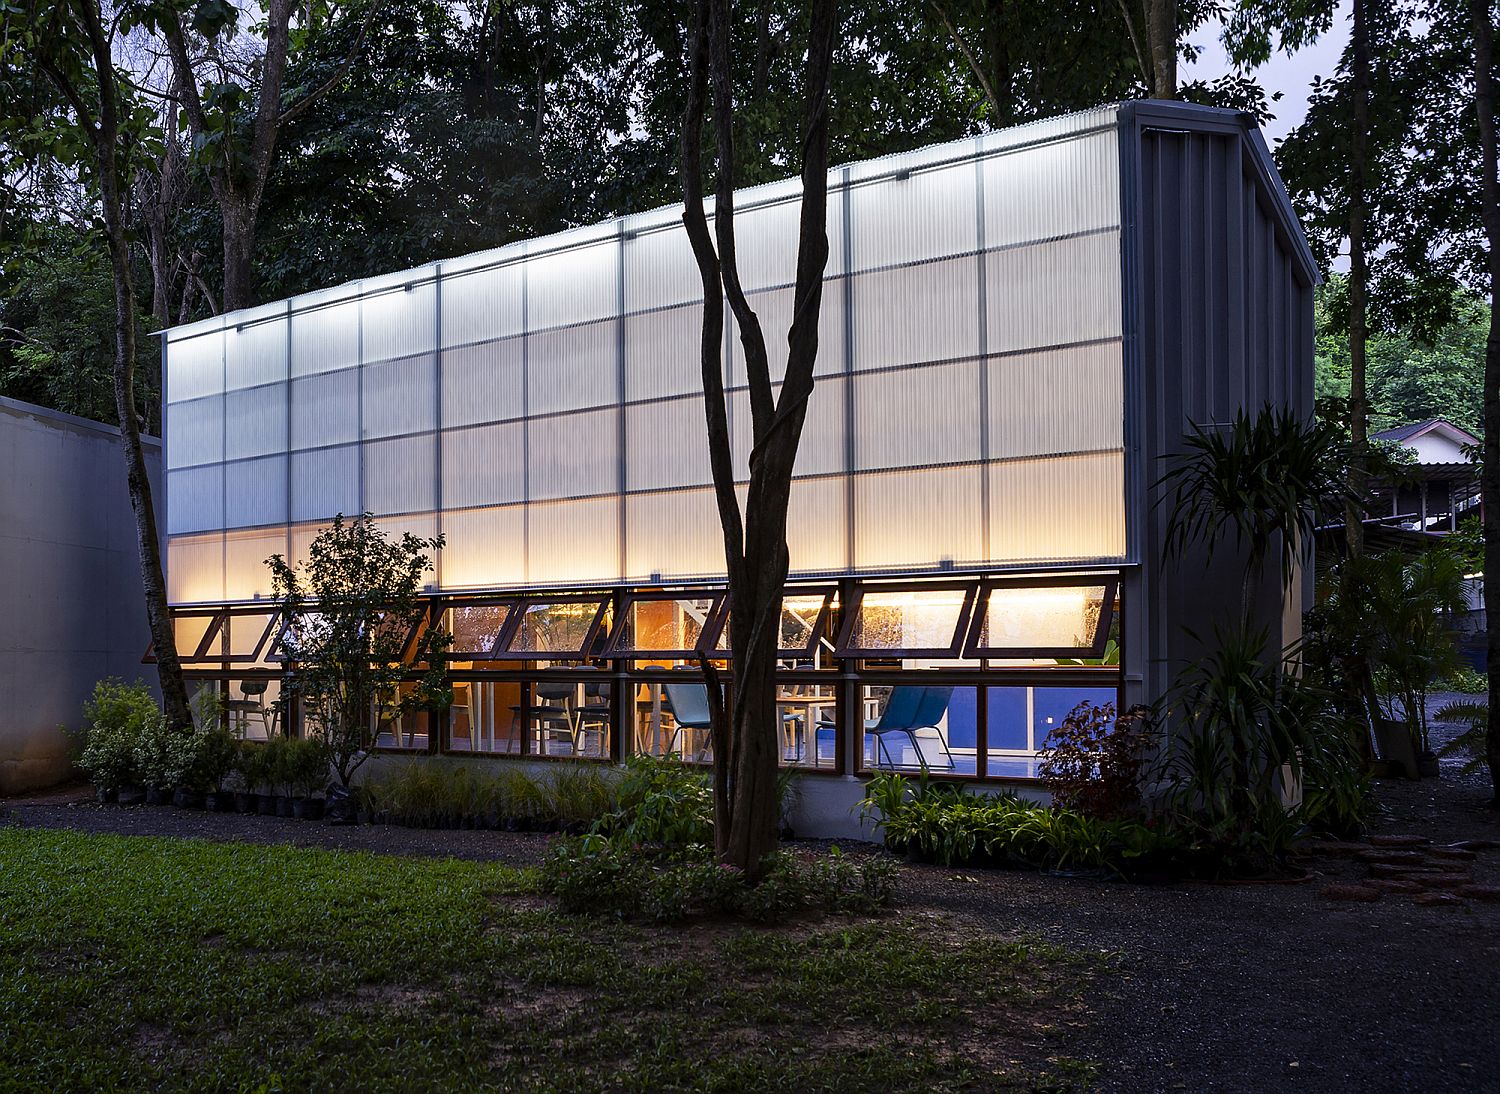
(115, 717)
(600, 876)
(156, 753)
(1092, 762)
(305, 764)
(662, 802)
(252, 761)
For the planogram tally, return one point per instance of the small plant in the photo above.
(1471, 744)
(156, 756)
(305, 765)
(1092, 762)
(252, 761)
(662, 802)
(115, 716)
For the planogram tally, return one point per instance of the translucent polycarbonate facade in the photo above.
(541, 404)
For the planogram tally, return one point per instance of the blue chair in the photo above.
(907, 710)
(688, 704)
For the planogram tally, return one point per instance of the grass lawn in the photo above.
(132, 963)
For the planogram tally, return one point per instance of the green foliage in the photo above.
(600, 876)
(1473, 743)
(1092, 762)
(304, 765)
(353, 609)
(1462, 678)
(159, 757)
(662, 802)
(254, 760)
(348, 971)
(441, 793)
(115, 718)
(1261, 480)
(942, 823)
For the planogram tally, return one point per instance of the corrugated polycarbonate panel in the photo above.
(255, 492)
(573, 455)
(923, 518)
(572, 368)
(399, 397)
(572, 542)
(325, 409)
(1060, 401)
(901, 221)
(255, 353)
(325, 338)
(1055, 293)
(246, 575)
(195, 432)
(195, 568)
(482, 305)
(484, 465)
(400, 475)
(195, 499)
(483, 383)
(195, 366)
(916, 417)
(674, 533)
(660, 269)
(486, 548)
(325, 482)
(399, 324)
(1069, 508)
(968, 409)
(662, 353)
(255, 422)
(666, 445)
(1052, 190)
(914, 314)
(577, 285)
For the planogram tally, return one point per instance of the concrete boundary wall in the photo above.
(72, 610)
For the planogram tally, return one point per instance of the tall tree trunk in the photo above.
(107, 142)
(746, 734)
(1359, 276)
(239, 252)
(1484, 103)
(1161, 39)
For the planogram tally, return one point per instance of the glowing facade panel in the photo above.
(541, 404)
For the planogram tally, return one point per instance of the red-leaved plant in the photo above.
(1092, 762)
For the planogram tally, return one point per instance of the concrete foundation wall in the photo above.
(72, 610)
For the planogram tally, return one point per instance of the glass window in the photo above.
(912, 727)
(804, 616)
(1020, 719)
(924, 621)
(808, 717)
(556, 629)
(1065, 619)
(244, 636)
(193, 631)
(477, 629)
(402, 730)
(665, 625)
(253, 708)
(671, 717)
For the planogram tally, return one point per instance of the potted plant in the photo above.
(248, 764)
(152, 754)
(216, 757)
(307, 773)
(269, 782)
(114, 715)
(184, 751)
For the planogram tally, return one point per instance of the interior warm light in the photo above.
(1066, 617)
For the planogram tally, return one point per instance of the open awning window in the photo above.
(900, 621)
(554, 629)
(1062, 617)
(194, 630)
(805, 615)
(477, 628)
(667, 625)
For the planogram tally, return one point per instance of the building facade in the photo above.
(1015, 330)
(75, 613)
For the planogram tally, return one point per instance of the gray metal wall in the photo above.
(72, 610)
(1221, 320)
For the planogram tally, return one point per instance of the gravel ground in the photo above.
(1255, 987)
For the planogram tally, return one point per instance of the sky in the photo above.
(1292, 76)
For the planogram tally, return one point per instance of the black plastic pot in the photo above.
(284, 806)
(246, 801)
(158, 795)
(1427, 765)
(218, 801)
(105, 794)
(266, 804)
(308, 808)
(184, 798)
(131, 795)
